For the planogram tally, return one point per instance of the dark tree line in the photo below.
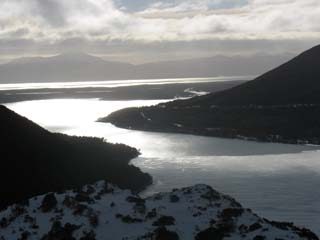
(35, 161)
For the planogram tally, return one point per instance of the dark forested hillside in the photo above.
(295, 82)
(35, 161)
(282, 105)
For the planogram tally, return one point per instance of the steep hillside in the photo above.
(282, 105)
(35, 161)
(295, 82)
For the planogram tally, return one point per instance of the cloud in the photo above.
(191, 5)
(258, 17)
(100, 23)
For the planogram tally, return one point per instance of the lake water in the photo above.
(278, 181)
(119, 83)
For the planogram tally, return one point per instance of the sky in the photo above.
(157, 30)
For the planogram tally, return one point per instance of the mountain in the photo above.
(103, 211)
(282, 105)
(36, 161)
(60, 68)
(213, 66)
(84, 67)
(295, 82)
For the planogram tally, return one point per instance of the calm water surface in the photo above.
(278, 181)
(119, 83)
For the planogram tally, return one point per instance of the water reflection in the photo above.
(68, 114)
(118, 83)
(78, 116)
(278, 181)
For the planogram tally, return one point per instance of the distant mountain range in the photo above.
(36, 161)
(66, 67)
(282, 105)
(84, 67)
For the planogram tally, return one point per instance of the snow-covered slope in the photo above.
(103, 211)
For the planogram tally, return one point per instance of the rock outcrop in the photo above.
(106, 212)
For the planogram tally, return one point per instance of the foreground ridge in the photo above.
(37, 161)
(104, 211)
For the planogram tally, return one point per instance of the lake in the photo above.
(278, 181)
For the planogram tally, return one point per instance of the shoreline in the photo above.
(39, 161)
(201, 134)
(269, 124)
(140, 92)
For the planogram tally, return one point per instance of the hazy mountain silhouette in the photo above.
(295, 82)
(213, 66)
(282, 105)
(35, 161)
(65, 67)
(84, 67)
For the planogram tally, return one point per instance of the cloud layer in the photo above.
(51, 24)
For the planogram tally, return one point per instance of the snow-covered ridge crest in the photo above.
(103, 211)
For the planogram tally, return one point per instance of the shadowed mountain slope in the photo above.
(282, 105)
(35, 161)
(295, 82)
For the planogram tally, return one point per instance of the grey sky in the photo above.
(151, 30)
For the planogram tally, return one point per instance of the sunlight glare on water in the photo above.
(278, 181)
(117, 83)
(66, 114)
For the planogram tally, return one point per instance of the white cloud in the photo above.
(96, 21)
(259, 17)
